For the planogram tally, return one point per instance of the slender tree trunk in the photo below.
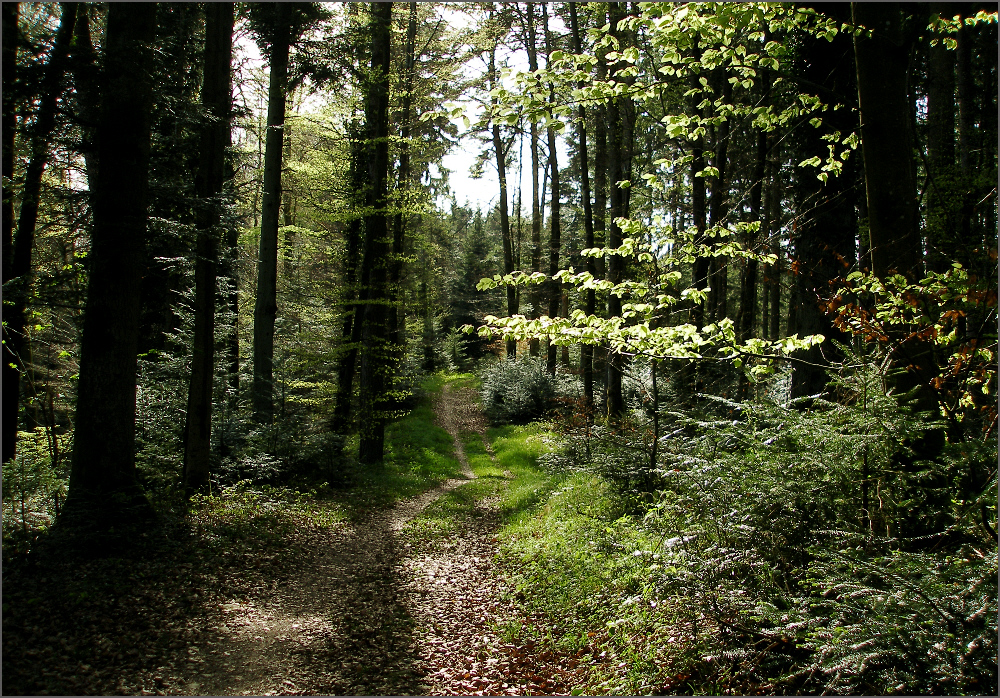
(266, 304)
(353, 301)
(823, 242)
(103, 486)
(18, 276)
(590, 304)
(397, 314)
(618, 156)
(11, 32)
(536, 211)
(746, 315)
(887, 144)
(555, 233)
(11, 372)
(719, 303)
(887, 139)
(699, 209)
(505, 233)
(374, 332)
(774, 217)
(216, 98)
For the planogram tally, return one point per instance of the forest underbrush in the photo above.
(765, 547)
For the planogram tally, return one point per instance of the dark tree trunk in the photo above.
(746, 315)
(266, 303)
(944, 198)
(11, 372)
(887, 139)
(887, 144)
(18, 275)
(103, 486)
(555, 233)
(773, 217)
(353, 300)
(375, 268)
(719, 281)
(619, 155)
(590, 304)
(823, 241)
(505, 233)
(699, 211)
(397, 313)
(536, 209)
(11, 14)
(216, 99)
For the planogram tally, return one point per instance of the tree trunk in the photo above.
(719, 275)
(887, 139)
(11, 32)
(18, 277)
(618, 162)
(823, 242)
(103, 486)
(536, 211)
(353, 301)
(590, 304)
(746, 315)
(375, 268)
(774, 217)
(216, 98)
(555, 233)
(397, 314)
(505, 233)
(265, 309)
(11, 372)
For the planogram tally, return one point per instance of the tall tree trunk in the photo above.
(374, 332)
(397, 313)
(823, 242)
(887, 144)
(774, 203)
(746, 315)
(719, 302)
(11, 372)
(505, 233)
(353, 300)
(103, 488)
(555, 233)
(699, 208)
(590, 303)
(18, 277)
(216, 98)
(887, 139)
(265, 309)
(944, 198)
(620, 152)
(536, 211)
(11, 32)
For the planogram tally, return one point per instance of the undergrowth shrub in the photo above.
(522, 390)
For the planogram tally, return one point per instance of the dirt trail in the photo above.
(372, 613)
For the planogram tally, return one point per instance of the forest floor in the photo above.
(370, 605)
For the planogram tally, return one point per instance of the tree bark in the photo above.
(887, 139)
(823, 242)
(216, 98)
(103, 486)
(536, 211)
(353, 300)
(590, 304)
(719, 274)
(374, 331)
(505, 233)
(555, 232)
(397, 314)
(11, 33)
(18, 277)
(266, 303)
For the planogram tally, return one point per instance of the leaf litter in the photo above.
(343, 608)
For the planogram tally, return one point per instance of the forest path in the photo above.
(375, 612)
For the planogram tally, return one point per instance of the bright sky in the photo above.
(479, 193)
